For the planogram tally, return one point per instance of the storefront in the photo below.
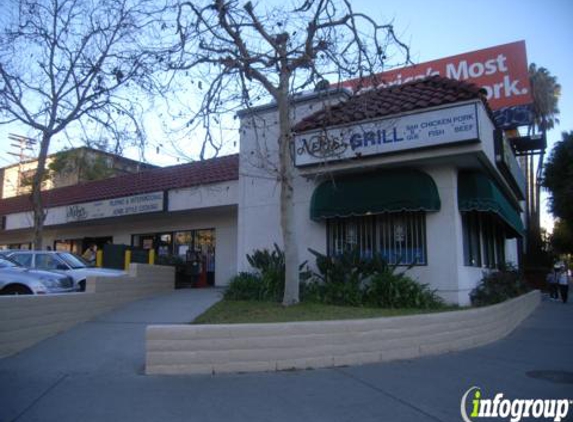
(186, 213)
(416, 174)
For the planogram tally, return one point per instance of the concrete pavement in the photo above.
(95, 373)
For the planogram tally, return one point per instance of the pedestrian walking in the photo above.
(553, 282)
(564, 283)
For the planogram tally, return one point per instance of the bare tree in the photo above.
(70, 65)
(245, 52)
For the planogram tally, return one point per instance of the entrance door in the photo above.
(197, 249)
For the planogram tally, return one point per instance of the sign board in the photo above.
(117, 207)
(502, 71)
(383, 136)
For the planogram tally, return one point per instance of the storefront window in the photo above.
(402, 238)
(23, 246)
(484, 240)
(164, 244)
(182, 243)
(352, 233)
(189, 246)
(399, 238)
(472, 249)
(69, 245)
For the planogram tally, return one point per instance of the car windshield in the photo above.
(74, 261)
(6, 263)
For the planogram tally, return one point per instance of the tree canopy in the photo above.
(558, 178)
(546, 92)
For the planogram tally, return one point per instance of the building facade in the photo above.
(78, 165)
(417, 174)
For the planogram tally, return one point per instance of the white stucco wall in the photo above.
(259, 212)
(204, 196)
(259, 191)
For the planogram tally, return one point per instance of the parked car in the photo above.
(63, 262)
(18, 280)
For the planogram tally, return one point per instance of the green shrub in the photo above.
(244, 286)
(266, 284)
(267, 262)
(389, 290)
(350, 280)
(347, 267)
(498, 286)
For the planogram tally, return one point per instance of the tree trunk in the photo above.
(36, 197)
(287, 216)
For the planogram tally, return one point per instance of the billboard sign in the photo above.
(502, 71)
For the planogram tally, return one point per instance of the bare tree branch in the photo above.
(245, 55)
(63, 62)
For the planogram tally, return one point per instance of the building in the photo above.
(74, 166)
(417, 173)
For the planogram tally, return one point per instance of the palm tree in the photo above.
(546, 92)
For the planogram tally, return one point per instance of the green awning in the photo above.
(476, 192)
(374, 193)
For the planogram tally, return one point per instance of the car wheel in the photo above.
(82, 285)
(16, 290)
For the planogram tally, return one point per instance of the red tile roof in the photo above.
(425, 93)
(181, 176)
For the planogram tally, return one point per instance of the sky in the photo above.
(440, 28)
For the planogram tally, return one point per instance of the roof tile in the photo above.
(380, 102)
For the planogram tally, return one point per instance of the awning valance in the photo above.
(375, 193)
(476, 192)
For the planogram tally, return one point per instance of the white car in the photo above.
(65, 262)
(18, 280)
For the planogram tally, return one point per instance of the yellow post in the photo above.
(127, 260)
(152, 257)
(99, 258)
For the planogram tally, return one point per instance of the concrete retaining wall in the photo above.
(26, 320)
(193, 349)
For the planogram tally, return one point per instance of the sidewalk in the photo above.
(95, 373)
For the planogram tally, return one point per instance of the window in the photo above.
(399, 238)
(402, 238)
(484, 239)
(471, 230)
(47, 262)
(23, 259)
(351, 233)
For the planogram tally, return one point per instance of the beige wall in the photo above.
(193, 349)
(11, 181)
(27, 320)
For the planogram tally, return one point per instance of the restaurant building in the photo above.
(416, 173)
